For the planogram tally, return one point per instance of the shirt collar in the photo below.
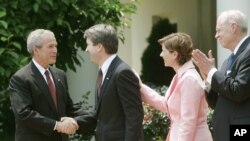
(239, 44)
(106, 64)
(188, 65)
(39, 67)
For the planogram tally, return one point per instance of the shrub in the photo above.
(155, 123)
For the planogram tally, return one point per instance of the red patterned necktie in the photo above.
(99, 82)
(51, 88)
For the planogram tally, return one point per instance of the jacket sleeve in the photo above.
(87, 122)
(152, 98)
(129, 94)
(234, 85)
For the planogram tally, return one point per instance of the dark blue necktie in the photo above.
(230, 61)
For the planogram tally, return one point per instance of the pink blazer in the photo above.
(185, 106)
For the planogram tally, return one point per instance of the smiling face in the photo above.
(169, 57)
(46, 53)
(224, 33)
(176, 49)
(93, 51)
(231, 28)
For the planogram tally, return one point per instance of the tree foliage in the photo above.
(66, 18)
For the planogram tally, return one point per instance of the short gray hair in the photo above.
(236, 16)
(35, 38)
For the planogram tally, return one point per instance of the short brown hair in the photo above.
(104, 34)
(179, 42)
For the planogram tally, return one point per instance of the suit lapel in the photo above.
(172, 86)
(107, 78)
(241, 49)
(41, 83)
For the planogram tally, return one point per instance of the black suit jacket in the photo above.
(119, 109)
(230, 94)
(33, 107)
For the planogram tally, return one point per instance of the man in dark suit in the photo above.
(39, 95)
(118, 103)
(228, 90)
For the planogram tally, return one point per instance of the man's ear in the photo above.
(234, 27)
(34, 50)
(100, 47)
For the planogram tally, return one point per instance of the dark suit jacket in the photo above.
(230, 94)
(35, 113)
(119, 109)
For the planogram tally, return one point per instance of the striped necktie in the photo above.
(99, 82)
(230, 61)
(51, 88)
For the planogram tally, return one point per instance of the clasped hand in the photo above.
(67, 125)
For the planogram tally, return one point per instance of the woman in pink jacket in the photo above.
(184, 102)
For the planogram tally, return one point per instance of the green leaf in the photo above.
(4, 24)
(1, 70)
(4, 39)
(38, 1)
(14, 55)
(36, 7)
(50, 2)
(2, 14)
(2, 50)
(3, 32)
(12, 61)
(24, 60)
(17, 45)
(13, 4)
(66, 2)
(59, 21)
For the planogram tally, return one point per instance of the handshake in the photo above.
(67, 125)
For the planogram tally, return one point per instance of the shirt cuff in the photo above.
(210, 75)
(55, 126)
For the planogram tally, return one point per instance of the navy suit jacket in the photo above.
(119, 109)
(33, 107)
(230, 94)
